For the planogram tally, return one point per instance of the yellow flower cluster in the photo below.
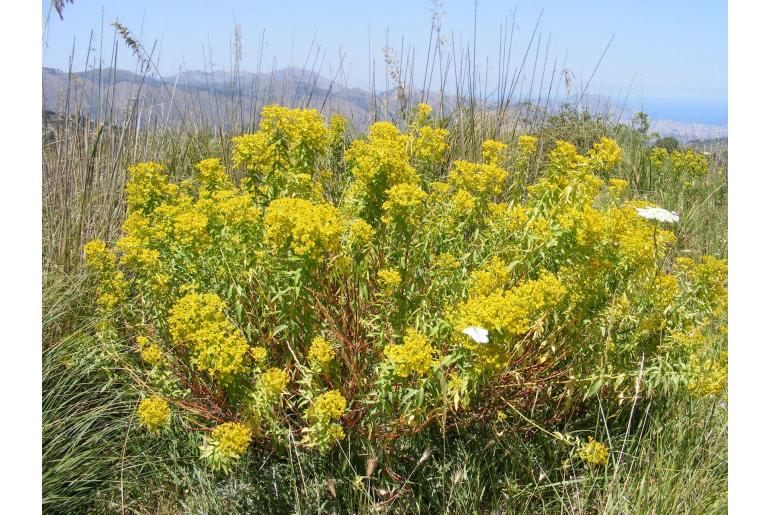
(658, 157)
(493, 152)
(604, 156)
(274, 381)
(689, 163)
(510, 312)
(710, 278)
(152, 354)
(568, 180)
(325, 410)
(259, 354)
(190, 226)
(233, 438)
(113, 287)
(153, 413)
(423, 113)
(463, 203)
(359, 232)
(98, 256)
(481, 179)
(148, 187)
(405, 205)
(311, 230)
(338, 126)
(198, 322)
(327, 407)
(564, 157)
(414, 356)
(430, 145)
(527, 145)
(594, 452)
(380, 162)
(709, 376)
(617, 187)
(492, 276)
(505, 217)
(389, 279)
(211, 176)
(286, 138)
(446, 262)
(320, 354)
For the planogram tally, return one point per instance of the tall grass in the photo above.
(673, 457)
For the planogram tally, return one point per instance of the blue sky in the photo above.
(662, 49)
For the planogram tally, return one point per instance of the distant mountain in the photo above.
(194, 97)
(199, 98)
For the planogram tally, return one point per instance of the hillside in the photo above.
(198, 98)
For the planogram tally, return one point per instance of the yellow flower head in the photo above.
(310, 230)
(604, 155)
(405, 205)
(98, 256)
(479, 179)
(415, 355)
(320, 354)
(153, 413)
(493, 152)
(274, 381)
(389, 279)
(327, 407)
(430, 145)
(360, 232)
(148, 187)
(211, 176)
(259, 354)
(152, 355)
(423, 113)
(233, 438)
(617, 187)
(463, 203)
(527, 145)
(593, 452)
(198, 322)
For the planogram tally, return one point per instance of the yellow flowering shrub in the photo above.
(430, 145)
(228, 442)
(449, 290)
(689, 163)
(709, 376)
(527, 145)
(327, 407)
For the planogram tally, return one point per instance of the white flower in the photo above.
(478, 334)
(658, 213)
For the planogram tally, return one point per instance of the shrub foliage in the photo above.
(324, 296)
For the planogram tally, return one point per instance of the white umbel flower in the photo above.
(478, 334)
(658, 213)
